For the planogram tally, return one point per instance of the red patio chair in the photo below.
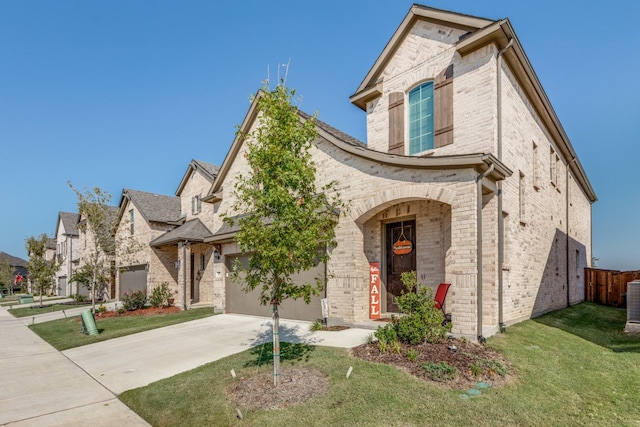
(441, 294)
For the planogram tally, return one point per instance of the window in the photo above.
(203, 263)
(196, 204)
(535, 173)
(522, 202)
(421, 125)
(131, 229)
(553, 167)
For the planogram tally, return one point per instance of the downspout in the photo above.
(69, 265)
(501, 324)
(184, 275)
(566, 196)
(479, 179)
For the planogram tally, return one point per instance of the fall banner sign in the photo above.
(374, 290)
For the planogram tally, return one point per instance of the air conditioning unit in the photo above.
(633, 307)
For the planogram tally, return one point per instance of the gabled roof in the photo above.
(153, 207)
(192, 231)
(480, 161)
(371, 88)
(481, 32)
(70, 222)
(12, 260)
(208, 170)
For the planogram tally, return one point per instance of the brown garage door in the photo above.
(237, 301)
(133, 278)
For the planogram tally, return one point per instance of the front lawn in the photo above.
(67, 333)
(570, 368)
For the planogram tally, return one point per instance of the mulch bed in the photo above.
(297, 385)
(461, 354)
(150, 311)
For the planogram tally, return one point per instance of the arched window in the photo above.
(421, 124)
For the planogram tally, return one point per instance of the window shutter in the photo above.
(443, 94)
(396, 123)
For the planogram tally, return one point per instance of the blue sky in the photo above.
(123, 94)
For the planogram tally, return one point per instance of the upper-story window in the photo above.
(421, 125)
(196, 204)
(425, 113)
(131, 229)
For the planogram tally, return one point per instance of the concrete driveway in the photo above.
(136, 360)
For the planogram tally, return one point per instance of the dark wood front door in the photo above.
(398, 264)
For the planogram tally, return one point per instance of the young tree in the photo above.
(42, 273)
(286, 222)
(6, 275)
(98, 222)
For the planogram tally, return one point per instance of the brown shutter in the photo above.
(443, 98)
(396, 123)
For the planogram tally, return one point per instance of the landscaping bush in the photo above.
(134, 300)
(160, 295)
(420, 321)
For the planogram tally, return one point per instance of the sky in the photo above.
(123, 94)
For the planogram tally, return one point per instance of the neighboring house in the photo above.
(171, 231)
(66, 238)
(19, 268)
(90, 253)
(466, 159)
(185, 243)
(142, 217)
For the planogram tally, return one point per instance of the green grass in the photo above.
(35, 310)
(67, 333)
(572, 368)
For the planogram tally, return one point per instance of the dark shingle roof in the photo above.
(210, 168)
(335, 132)
(155, 207)
(13, 260)
(70, 222)
(192, 231)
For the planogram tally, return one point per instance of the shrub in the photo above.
(78, 298)
(488, 368)
(160, 295)
(421, 321)
(440, 371)
(134, 300)
(412, 354)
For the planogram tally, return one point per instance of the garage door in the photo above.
(133, 279)
(62, 286)
(237, 301)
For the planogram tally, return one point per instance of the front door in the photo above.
(399, 263)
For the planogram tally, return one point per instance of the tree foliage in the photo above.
(7, 275)
(98, 222)
(286, 222)
(42, 273)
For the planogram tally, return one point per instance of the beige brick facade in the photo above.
(534, 202)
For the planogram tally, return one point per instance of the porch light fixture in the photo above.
(216, 255)
(177, 264)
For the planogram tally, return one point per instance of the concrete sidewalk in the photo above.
(42, 387)
(136, 360)
(73, 311)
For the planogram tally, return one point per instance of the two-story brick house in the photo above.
(466, 159)
(170, 233)
(66, 239)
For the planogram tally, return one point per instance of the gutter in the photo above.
(501, 325)
(481, 339)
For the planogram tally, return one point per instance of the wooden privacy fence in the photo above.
(608, 287)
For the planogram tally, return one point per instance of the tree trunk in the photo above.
(276, 345)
